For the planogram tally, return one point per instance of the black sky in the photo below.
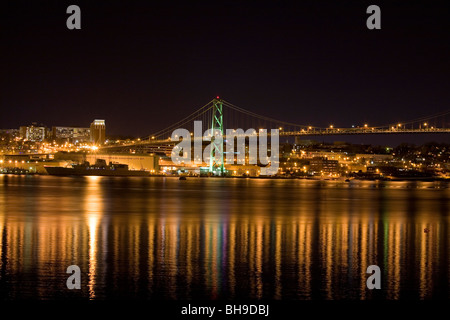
(141, 65)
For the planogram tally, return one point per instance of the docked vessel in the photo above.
(100, 168)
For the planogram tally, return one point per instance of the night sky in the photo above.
(143, 65)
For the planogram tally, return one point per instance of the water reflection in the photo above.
(93, 208)
(214, 239)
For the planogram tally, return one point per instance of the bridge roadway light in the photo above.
(365, 125)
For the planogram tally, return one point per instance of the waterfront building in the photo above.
(97, 132)
(33, 132)
(71, 134)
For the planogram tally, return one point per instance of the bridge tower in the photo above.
(216, 147)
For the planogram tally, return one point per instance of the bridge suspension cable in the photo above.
(419, 120)
(190, 118)
(245, 119)
(285, 123)
(252, 114)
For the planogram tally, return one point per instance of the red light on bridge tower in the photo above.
(217, 97)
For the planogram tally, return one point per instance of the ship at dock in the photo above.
(100, 168)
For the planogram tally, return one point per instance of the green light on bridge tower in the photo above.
(216, 148)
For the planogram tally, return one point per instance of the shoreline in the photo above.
(340, 179)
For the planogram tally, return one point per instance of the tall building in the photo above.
(33, 132)
(71, 134)
(98, 129)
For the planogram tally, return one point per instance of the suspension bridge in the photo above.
(222, 115)
(219, 114)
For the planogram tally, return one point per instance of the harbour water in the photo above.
(211, 238)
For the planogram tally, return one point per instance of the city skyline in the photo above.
(429, 124)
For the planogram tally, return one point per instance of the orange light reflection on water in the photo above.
(93, 209)
(303, 242)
